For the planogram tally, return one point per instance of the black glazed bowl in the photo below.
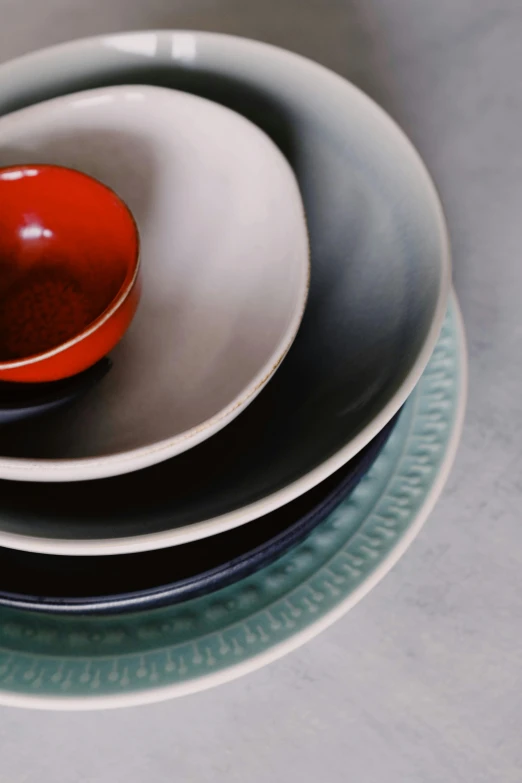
(144, 580)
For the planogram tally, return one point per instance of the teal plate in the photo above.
(91, 663)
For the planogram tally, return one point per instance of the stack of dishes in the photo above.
(250, 466)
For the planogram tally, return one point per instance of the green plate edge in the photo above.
(91, 663)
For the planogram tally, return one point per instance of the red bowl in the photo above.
(69, 263)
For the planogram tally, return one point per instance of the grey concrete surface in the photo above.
(422, 681)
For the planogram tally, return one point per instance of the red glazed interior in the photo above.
(68, 253)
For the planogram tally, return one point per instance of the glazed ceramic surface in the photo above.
(225, 268)
(69, 261)
(380, 277)
(90, 663)
(123, 583)
(27, 400)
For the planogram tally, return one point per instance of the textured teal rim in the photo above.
(92, 663)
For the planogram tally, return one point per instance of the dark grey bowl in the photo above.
(379, 286)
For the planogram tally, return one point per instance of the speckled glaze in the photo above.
(66, 663)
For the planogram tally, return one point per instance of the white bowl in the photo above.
(225, 267)
(378, 295)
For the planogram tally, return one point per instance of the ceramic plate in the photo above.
(224, 267)
(380, 278)
(103, 585)
(90, 663)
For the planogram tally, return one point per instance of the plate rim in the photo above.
(270, 502)
(295, 640)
